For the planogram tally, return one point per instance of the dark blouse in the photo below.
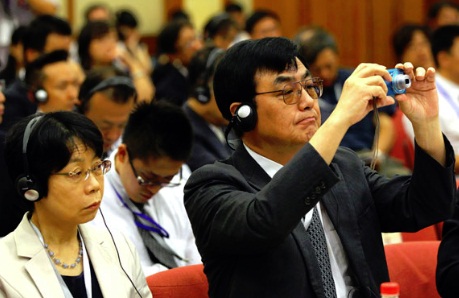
(77, 287)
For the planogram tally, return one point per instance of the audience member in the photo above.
(18, 13)
(321, 53)
(208, 124)
(144, 194)
(178, 14)
(445, 48)
(448, 257)
(97, 47)
(263, 23)
(411, 42)
(220, 31)
(177, 43)
(129, 39)
(97, 12)
(8, 213)
(442, 13)
(236, 12)
(43, 35)
(55, 160)
(14, 62)
(52, 82)
(257, 215)
(107, 98)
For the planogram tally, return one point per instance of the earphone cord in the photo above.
(376, 137)
(227, 132)
(117, 253)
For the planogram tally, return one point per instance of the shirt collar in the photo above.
(269, 166)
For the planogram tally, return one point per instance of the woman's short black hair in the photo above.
(92, 30)
(50, 145)
(404, 35)
(169, 35)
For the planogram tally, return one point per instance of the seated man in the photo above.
(53, 82)
(209, 142)
(292, 214)
(143, 196)
(107, 98)
(46, 33)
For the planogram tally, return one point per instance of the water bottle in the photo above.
(390, 290)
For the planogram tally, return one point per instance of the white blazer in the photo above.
(26, 270)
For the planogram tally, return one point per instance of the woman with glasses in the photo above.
(143, 195)
(55, 161)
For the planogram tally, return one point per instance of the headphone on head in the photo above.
(202, 91)
(105, 84)
(245, 117)
(40, 95)
(25, 184)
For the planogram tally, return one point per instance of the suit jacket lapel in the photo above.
(249, 168)
(339, 206)
(39, 266)
(258, 178)
(103, 261)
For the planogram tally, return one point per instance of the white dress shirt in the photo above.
(166, 207)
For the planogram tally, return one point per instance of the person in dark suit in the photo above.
(256, 216)
(201, 108)
(448, 257)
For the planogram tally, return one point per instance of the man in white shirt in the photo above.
(445, 48)
(143, 197)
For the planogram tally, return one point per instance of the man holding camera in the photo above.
(292, 214)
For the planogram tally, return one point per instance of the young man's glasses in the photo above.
(157, 180)
(291, 93)
(98, 169)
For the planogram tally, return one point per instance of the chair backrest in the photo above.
(412, 264)
(430, 233)
(187, 281)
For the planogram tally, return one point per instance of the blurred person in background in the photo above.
(411, 42)
(177, 43)
(263, 23)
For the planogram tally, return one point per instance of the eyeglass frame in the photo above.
(107, 165)
(316, 80)
(143, 182)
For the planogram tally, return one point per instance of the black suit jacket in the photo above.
(207, 148)
(17, 104)
(448, 257)
(12, 206)
(249, 232)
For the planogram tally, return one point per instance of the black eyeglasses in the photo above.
(98, 169)
(156, 181)
(291, 93)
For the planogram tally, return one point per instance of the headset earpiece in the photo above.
(25, 184)
(41, 95)
(202, 91)
(27, 188)
(202, 94)
(245, 117)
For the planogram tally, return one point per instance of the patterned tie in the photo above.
(316, 235)
(158, 248)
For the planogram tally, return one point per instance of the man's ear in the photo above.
(234, 106)
(122, 154)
